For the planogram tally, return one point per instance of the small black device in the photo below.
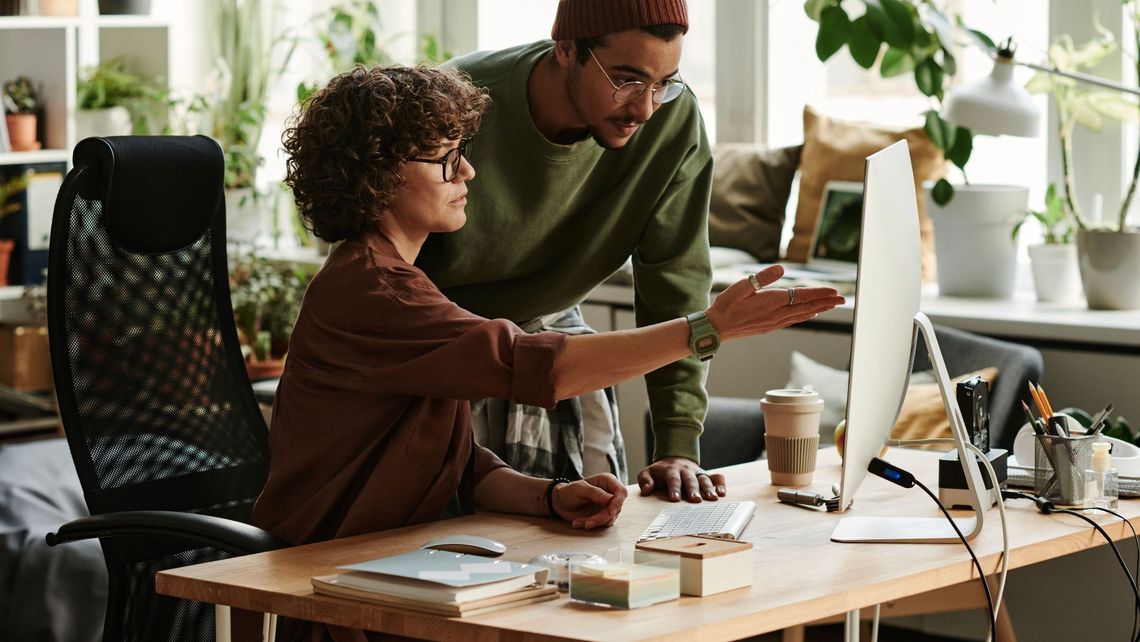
(974, 402)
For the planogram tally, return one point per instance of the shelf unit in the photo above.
(52, 50)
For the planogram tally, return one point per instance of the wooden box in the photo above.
(708, 564)
(25, 363)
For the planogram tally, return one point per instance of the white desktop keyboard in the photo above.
(718, 519)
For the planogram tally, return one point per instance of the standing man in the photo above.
(593, 151)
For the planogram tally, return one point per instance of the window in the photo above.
(842, 89)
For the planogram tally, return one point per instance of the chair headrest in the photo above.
(159, 193)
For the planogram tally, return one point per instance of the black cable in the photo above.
(1136, 541)
(977, 564)
(1046, 506)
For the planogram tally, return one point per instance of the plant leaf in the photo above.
(1082, 109)
(1114, 106)
(942, 192)
(928, 77)
(941, 25)
(980, 39)
(941, 133)
(834, 28)
(896, 62)
(963, 146)
(863, 44)
(900, 26)
(813, 8)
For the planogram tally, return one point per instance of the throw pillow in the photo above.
(751, 186)
(922, 415)
(836, 150)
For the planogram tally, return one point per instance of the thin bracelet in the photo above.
(550, 495)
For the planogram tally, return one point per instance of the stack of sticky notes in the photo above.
(708, 564)
(626, 585)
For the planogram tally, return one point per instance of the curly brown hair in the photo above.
(346, 147)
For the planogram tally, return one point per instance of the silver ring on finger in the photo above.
(702, 473)
(791, 296)
(755, 283)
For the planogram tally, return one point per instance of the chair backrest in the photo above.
(152, 389)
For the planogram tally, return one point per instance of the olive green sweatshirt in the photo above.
(546, 223)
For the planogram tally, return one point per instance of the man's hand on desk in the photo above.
(678, 477)
(590, 503)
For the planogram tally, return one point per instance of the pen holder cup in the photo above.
(1060, 464)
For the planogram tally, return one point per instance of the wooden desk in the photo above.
(800, 575)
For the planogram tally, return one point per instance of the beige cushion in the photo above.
(836, 150)
(923, 416)
(751, 186)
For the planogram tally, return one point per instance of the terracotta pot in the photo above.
(22, 132)
(6, 247)
(267, 369)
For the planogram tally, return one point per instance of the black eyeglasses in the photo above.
(663, 92)
(450, 161)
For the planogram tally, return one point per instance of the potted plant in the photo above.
(8, 189)
(113, 102)
(971, 221)
(1108, 253)
(1054, 260)
(21, 102)
(266, 298)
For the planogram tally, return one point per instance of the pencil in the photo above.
(1037, 401)
(1045, 400)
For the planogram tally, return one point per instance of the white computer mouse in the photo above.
(470, 544)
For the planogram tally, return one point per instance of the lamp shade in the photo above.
(994, 105)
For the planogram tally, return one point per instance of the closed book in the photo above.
(330, 585)
(440, 577)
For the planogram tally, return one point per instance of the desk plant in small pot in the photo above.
(114, 102)
(266, 298)
(971, 221)
(1054, 260)
(22, 104)
(1108, 252)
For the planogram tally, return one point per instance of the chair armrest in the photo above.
(233, 537)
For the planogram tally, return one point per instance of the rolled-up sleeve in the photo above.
(532, 381)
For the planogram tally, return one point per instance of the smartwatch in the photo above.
(704, 340)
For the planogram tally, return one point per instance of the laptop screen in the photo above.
(839, 224)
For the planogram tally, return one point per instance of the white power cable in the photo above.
(1000, 504)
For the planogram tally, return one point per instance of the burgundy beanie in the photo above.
(590, 18)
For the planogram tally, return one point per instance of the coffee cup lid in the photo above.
(791, 395)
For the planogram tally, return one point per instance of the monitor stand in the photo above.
(933, 530)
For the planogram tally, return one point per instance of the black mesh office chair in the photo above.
(160, 418)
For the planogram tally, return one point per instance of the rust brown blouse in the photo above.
(371, 425)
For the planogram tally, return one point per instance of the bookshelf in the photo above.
(50, 51)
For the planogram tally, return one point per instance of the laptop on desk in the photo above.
(834, 251)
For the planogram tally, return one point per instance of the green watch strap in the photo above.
(704, 340)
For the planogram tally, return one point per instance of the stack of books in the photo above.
(439, 582)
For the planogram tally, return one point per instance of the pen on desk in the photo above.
(1033, 423)
(1100, 420)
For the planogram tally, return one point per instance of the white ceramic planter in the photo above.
(113, 121)
(1056, 277)
(1110, 268)
(976, 256)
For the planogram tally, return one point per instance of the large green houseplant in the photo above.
(903, 36)
(971, 221)
(1108, 252)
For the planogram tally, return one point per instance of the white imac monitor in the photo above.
(887, 317)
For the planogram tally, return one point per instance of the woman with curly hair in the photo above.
(371, 424)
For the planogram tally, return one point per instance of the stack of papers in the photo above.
(440, 582)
